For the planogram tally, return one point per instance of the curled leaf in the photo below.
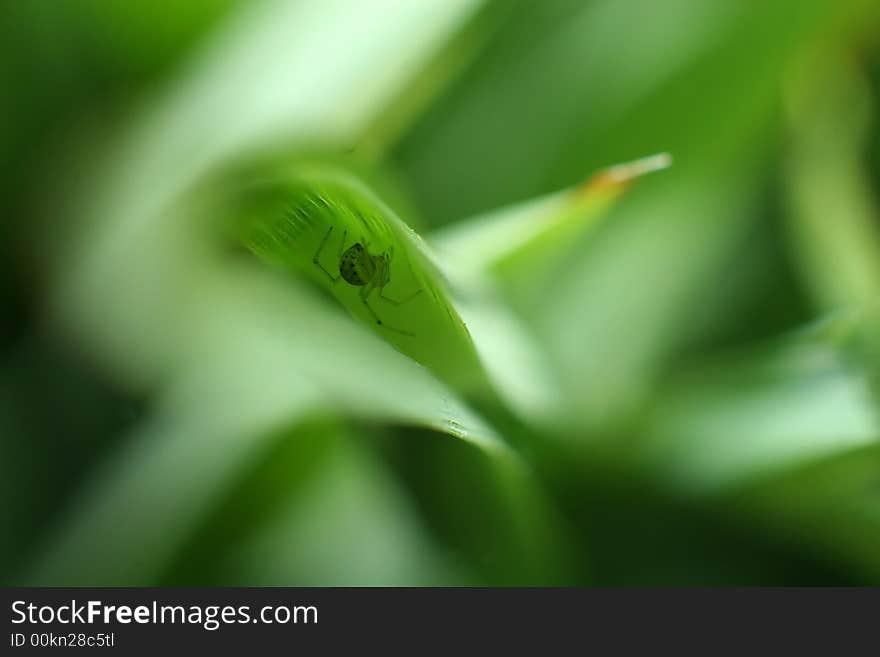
(327, 226)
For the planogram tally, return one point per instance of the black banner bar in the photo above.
(147, 620)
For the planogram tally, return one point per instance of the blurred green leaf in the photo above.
(833, 223)
(510, 243)
(829, 508)
(758, 415)
(348, 524)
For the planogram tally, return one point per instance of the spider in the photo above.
(358, 267)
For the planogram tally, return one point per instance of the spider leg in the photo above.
(365, 293)
(342, 243)
(316, 258)
(396, 302)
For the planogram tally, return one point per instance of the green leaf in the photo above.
(330, 228)
(261, 353)
(833, 218)
(173, 473)
(348, 522)
(827, 507)
(760, 415)
(502, 260)
(518, 246)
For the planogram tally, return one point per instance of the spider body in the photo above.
(359, 268)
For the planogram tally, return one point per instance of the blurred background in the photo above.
(169, 416)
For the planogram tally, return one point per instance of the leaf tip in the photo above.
(620, 175)
(640, 167)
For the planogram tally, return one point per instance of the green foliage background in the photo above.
(667, 382)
